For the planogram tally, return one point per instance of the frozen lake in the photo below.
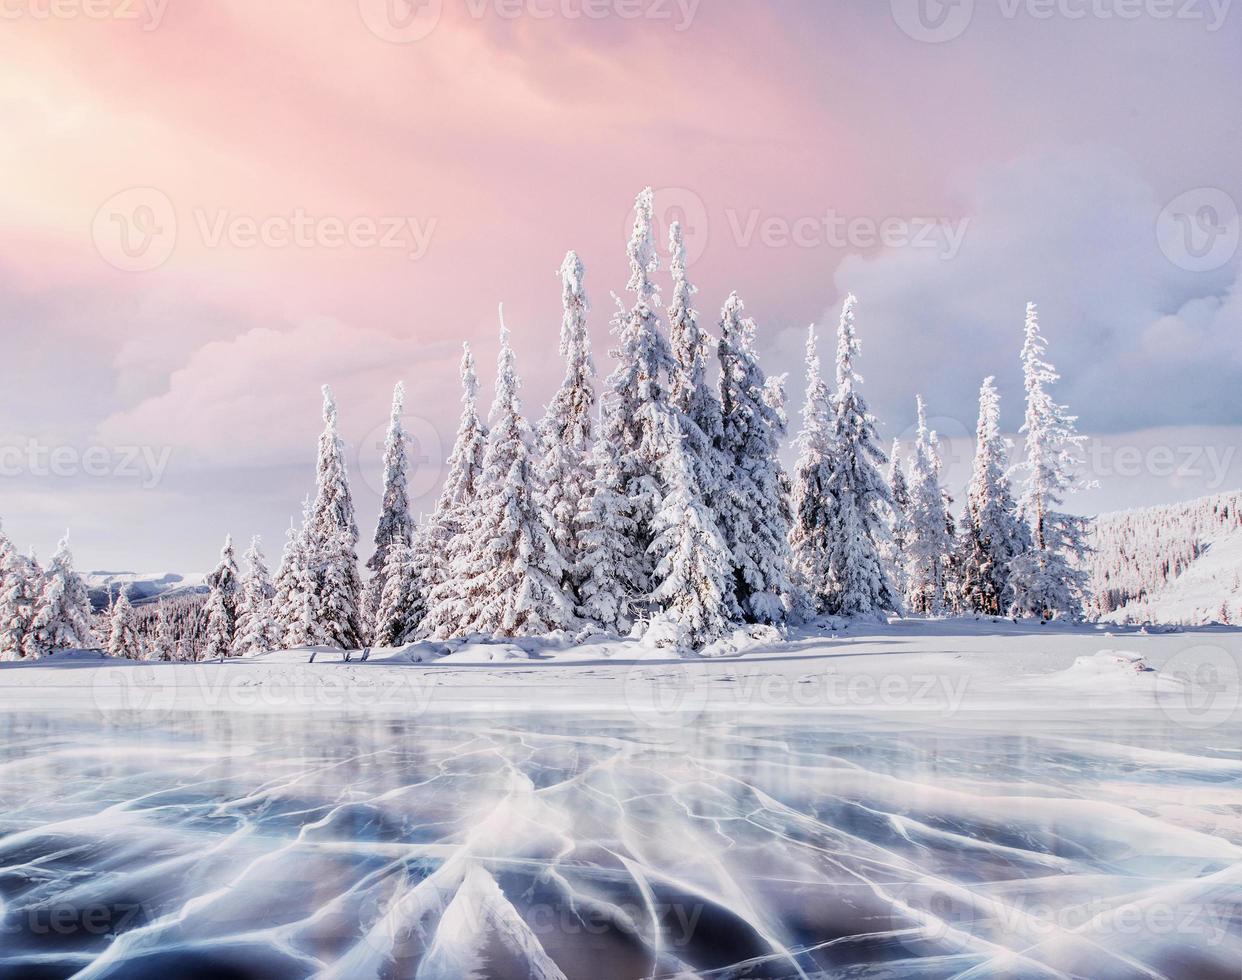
(596, 847)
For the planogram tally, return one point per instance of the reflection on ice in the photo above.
(243, 846)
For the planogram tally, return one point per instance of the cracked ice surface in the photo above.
(588, 846)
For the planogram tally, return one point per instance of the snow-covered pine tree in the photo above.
(895, 549)
(610, 572)
(285, 598)
(401, 608)
(20, 585)
(334, 540)
(861, 585)
(692, 562)
(441, 547)
(567, 430)
(222, 603)
(123, 640)
(748, 505)
(162, 647)
(62, 619)
(689, 391)
(257, 629)
(395, 520)
(929, 546)
(511, 580)
(636, 389)
(1049, 580)
(991, 533)
(814, 512)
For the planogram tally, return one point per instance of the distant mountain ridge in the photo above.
(141, 587)
(1180, 563)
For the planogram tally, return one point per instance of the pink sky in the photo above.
(1053, 145)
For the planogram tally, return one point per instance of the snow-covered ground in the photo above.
(938, 668)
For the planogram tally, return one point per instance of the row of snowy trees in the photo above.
(1006, 555)
(41, 610)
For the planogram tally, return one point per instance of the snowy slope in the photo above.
(141, 586)
(1176, 564)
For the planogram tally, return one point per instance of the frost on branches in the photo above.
(509, 583)
(21, 582)
(692, 562)
(753, 521)
(62, 619)
(896, 549)
(930, 546)
(567, 430)
(395, 521)
(1048, 580)
(257, 628)
(860, 584)
(123, 638)
(992, 534)
(814, 514)
(222, 603)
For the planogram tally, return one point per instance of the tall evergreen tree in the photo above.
(896, 549)
(692, 562)
(162, 647)
(567, 430)
(636, 388)
(257, 627)
(123, 640)
(861, 585)
(752, 519)
(992, 535)
(334, 541)
(1049, 580)
(62, 617)
(20, 585)
(930, 546)
(814, 512)
(510, 583)
(395, 521)
(443, 545)
(222, 603)
(401, 609)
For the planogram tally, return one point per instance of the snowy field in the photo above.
(917, 800)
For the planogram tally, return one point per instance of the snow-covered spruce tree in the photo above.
(62, 619)
(395, 521)
(814, 513)
(334, 540)
(162, 647)
(510, 582)
(442, 545)
(401, 609)
(929, 547)
(1048, 579)
(123, 640)
(991, 533)
(20, 585)
(688, 390)
(567, 430)
(257, 629)
(751, 518)
(222, 604)
(895, 549)
(286, 601)
(692, 562)
(860, 584)
(610, 573)
(638, 399)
